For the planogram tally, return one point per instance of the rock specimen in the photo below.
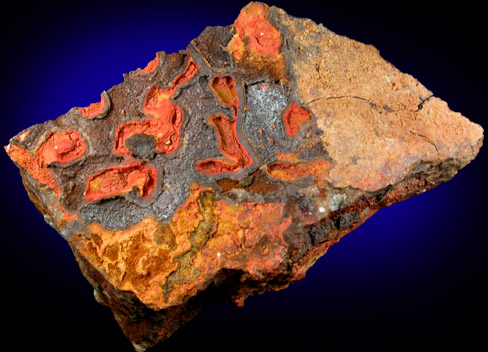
(228, 169)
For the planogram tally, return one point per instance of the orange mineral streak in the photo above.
(247, 237)
(294, 118)
(165, 125)
(289, 172)
(59, 147)
(255, 34)
(151, 66)
(164, 265)
(252, 229)
(236, 156)
(119, 180)
(225, 90)
(95, 109)
(190, 72)
(166, 117)
(289, 157)
(137, 259)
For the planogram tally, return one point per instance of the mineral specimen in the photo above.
(229, 168)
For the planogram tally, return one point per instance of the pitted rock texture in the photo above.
(228, 169)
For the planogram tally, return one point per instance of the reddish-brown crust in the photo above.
(255, 34)
(225, 90)
(236, 156)
(166, 117)
(59, 147)
(119, 180)
(151, 65)
(289, 172)
(164, 125)
(190, 72)
(294, 118)
(96, 109)
(256, 44)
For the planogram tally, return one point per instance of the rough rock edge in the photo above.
(144, 327)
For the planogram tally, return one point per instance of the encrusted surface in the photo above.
(229, 168)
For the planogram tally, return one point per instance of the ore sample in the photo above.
(229, 168)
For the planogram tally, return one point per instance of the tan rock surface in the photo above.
(378, 122)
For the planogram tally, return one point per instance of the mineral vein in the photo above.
(228, 169)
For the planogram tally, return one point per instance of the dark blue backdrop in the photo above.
(414, 273)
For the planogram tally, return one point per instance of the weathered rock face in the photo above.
(228, 169)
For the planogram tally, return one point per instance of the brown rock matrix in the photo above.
(229, 168)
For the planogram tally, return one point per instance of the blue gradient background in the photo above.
(415, 273)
